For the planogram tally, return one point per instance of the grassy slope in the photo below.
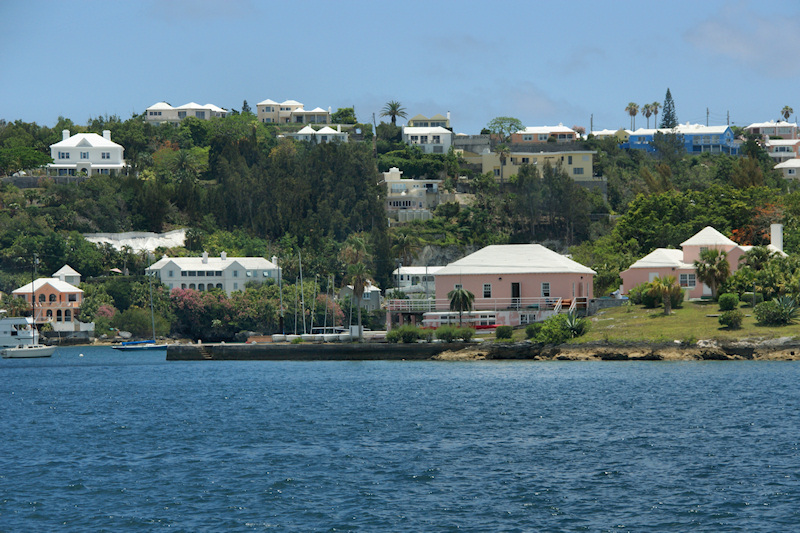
(690, 323)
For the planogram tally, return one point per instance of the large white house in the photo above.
(205, 273)
(436, 140)
(290, 112)
(325, 134)
(86, 152)
(163, 112)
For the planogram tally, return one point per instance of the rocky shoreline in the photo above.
(781, 349)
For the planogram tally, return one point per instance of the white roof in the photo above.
(268, 102)
(327, 130)
(291, 102)
(191, 105)
(214, 263)
(515, 259)
(684, 129)
(66, 270)
(708, 236)
(317, 110)
(307, 129)
(782, 142)
(86, 139)
(789, 163)
(548, 129)
(662, 257)
(772, 124)
(160, 106)
(57, 284)
(417, 130)
(417, 270)
(212, 107)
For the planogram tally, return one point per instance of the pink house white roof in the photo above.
(547, 129)
(662, 258)
(515, 259)
(57, 284)
(708, 236)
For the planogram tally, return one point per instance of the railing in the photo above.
(480, 304)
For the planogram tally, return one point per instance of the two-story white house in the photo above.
(432, 140)
(163, 112)
(290, 112)
(205, 273)
(87, 153)
(325, 134)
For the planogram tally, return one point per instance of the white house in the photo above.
(405, 196)
(323, 135)
(790, 168)
(163, 112)
(416, 279)
(86, 152)
(436, 140)
(290, 112)
(205, 273)
(370, 300)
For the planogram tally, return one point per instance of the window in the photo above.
(58, 315)
(437, 139)
(792, 171)
(72, 297)
(181, 114)
(106, 155)
(545, 289)
(526, 160)
(171, 274)
(52, 298)
(423, 139)
(249, 274)
(200, 114)
(438, 149)
(543, 137)
(366, 296)
(63, 155)
(569, 159)
(67, 316)
(703, 249)
(201, 273)
(41, 298)
(84, 155)
(496, 172)
(527, 137)
(457, 286)
(184, 273)
(192, 273)
(577, 170)
(688, 280)
(487, 290)
(235, 273)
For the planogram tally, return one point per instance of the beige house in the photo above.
(436, 121)
(163, 112)
(290, 112)
(408, 199)
(576, 163)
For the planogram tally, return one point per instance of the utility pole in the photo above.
(706, 117)
(729, 118)
(591, 123)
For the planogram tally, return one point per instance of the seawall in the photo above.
(308, 351)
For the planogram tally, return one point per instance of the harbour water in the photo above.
(96, 440)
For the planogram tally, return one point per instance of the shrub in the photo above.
(731, 319)
(446, 333)
(532, 330)
(466, 333)
(504, 332)
(778, 312)
(747, 298)
(676, 296)
(393, 336)
(554, 330)
(405, 334)
(636, 293)
(728, 301)
(649, 300)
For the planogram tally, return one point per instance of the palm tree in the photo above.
(503, 151)
(358, 275)
(713, 269)
(662, 288)
(406, 246)
(632, 110)
(787, 112)
(393, 109)
(647, 111)
(654, 108)
(757, 257)
(355, 250)
(460, 300)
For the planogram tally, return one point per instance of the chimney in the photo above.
(275, 260)
(338, 128)
(205, 258)
(64, 135)
(223, 256)
(107, 135)
(776, 236)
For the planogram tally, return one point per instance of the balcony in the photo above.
(486, 304)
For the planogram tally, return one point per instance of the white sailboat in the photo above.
(19, 337)
(149, 344)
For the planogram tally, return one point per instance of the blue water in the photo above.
(130, 442)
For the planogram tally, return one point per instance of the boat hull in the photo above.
(28, 351)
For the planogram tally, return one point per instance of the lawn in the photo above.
(689, 324)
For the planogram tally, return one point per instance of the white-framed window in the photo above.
(437, 139)
(236, 286)
(106, 155)
(688, 280)
(171, 273)
(569, 159)
(792, 171)
(423, 139)
(249, 274)
(235, 273)
(84, 155)
(543, 137)
(527, 137)
(545, 289)
(703, 249)
(366, 295)
(487, 290)
(200, 114)
(63, 155)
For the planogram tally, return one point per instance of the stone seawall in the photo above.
(308, 351)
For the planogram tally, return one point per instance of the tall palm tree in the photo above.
(662, 288)
(713, 269)
(647, 111)
(355, 249)
(460, 300)
(503, 151)
(393, 109)
(787, 112)
(358, 275)
(632, 110)
(406, 246)
(654, 107)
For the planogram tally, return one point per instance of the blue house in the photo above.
(697, 139)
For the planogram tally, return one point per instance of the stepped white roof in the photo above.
(160, 106)
(57, 284)
(417, 270)
(66, 270)
(789, 163)
(684, 129)
(660, 258)
(268, 102)
(708, 236)
(212, 107)
(515, 259)
(772, 124)
(327, 130)
(307, 130)
(782, 142)
(190, 105)
(86, 139)
(421, 130)
(215, 263)
(291, 102)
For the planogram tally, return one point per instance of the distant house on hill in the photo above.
(542, 134)
(58, 300)
(87, 153)
(663, 262)
(163, 112)
(436, 121)
(780, 129)
(325, 134)
(290, 112)
(432, 140)
(696, 138)
(205, 273)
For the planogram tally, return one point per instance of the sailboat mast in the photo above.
(152, 312)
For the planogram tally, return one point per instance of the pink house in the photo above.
(514, 283)
(680, 263)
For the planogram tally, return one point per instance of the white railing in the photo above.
(480, 304)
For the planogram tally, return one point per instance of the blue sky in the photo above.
(543, 62)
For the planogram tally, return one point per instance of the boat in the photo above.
(28, 351)
(139, 345)
(19, 338)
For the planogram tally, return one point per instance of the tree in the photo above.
(503, 152)
(662, 288)
(787, 112)
(504, 126)
(460, 300)
(713, 269)
(654, 107)
(406, 247)
(246, 108)
(647, 111)
(344, 115)
(358, 275)
(669, 119)
(393, 109)
(632, 109)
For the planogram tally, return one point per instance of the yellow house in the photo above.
(621, 135)
(576, 163)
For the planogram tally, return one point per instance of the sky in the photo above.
(543, 62)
